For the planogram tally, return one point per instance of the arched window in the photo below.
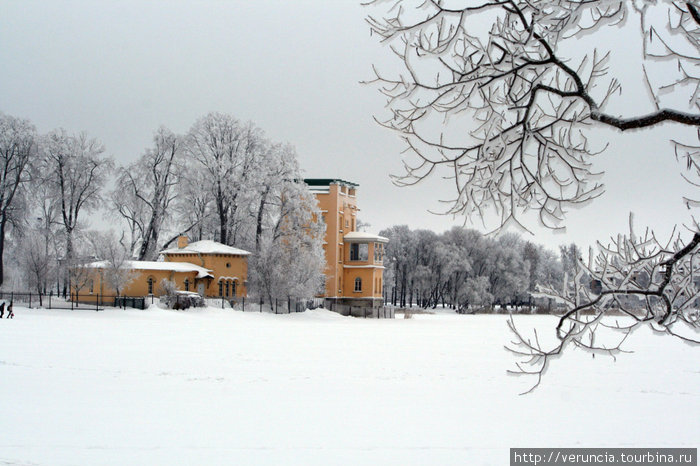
(233, 289)
(187, 284)
(91, 285)
(150, 285)
(227, 289)
(358, 284)
(221, 288)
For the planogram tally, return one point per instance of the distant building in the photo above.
(209, 268)
(354, 260)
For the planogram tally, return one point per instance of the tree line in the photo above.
(223, 180)
(465, 270)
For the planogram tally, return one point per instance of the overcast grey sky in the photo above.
(118, 70)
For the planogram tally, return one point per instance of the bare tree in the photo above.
(145, 191)
(194, 207)
(226, 151)
(639, 280)
(77, 171)
(37, 261)
(115, 264)
(499, 92)
(494, 91)
(17, 148)
(132, 210)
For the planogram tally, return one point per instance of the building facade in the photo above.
(354, 260)
(209, 268)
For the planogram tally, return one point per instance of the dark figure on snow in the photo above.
(10, 314)
(2, 309)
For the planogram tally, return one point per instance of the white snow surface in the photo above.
(215, 386)
(206, 247)
(158, 265)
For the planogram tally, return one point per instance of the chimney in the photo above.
(182, 242)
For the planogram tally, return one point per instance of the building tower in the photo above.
(354, 260)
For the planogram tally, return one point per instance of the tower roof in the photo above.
(328, 182)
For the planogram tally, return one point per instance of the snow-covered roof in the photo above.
(362, 237)
(206, 247)
(153, 265)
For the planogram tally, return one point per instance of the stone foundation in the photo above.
(367, 308)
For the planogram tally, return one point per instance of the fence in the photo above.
(274, 306)
(97, 302)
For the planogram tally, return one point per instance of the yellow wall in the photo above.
(339, 210)
(221, 265)
(371, 273)
(138, 285)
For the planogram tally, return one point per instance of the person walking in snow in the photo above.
(10, 314)
(2, 309)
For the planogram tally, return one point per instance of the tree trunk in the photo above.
(258, 227)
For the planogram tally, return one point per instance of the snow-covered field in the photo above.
(223, 387)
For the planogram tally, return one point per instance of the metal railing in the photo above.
(97, 302)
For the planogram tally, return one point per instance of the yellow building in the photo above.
(354, 260)
(209, 268)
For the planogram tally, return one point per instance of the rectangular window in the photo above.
(359, 251)
(378, 252)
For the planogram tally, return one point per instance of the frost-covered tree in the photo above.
(290, 259)
(226, 152)
(193, 207)
(145, 191)
(464, 269)
(276, 167)
(398, 255)
(502, 93)
(115, 257)
(77, 170)
(475, 293)
(17, 153)
(37, 260)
